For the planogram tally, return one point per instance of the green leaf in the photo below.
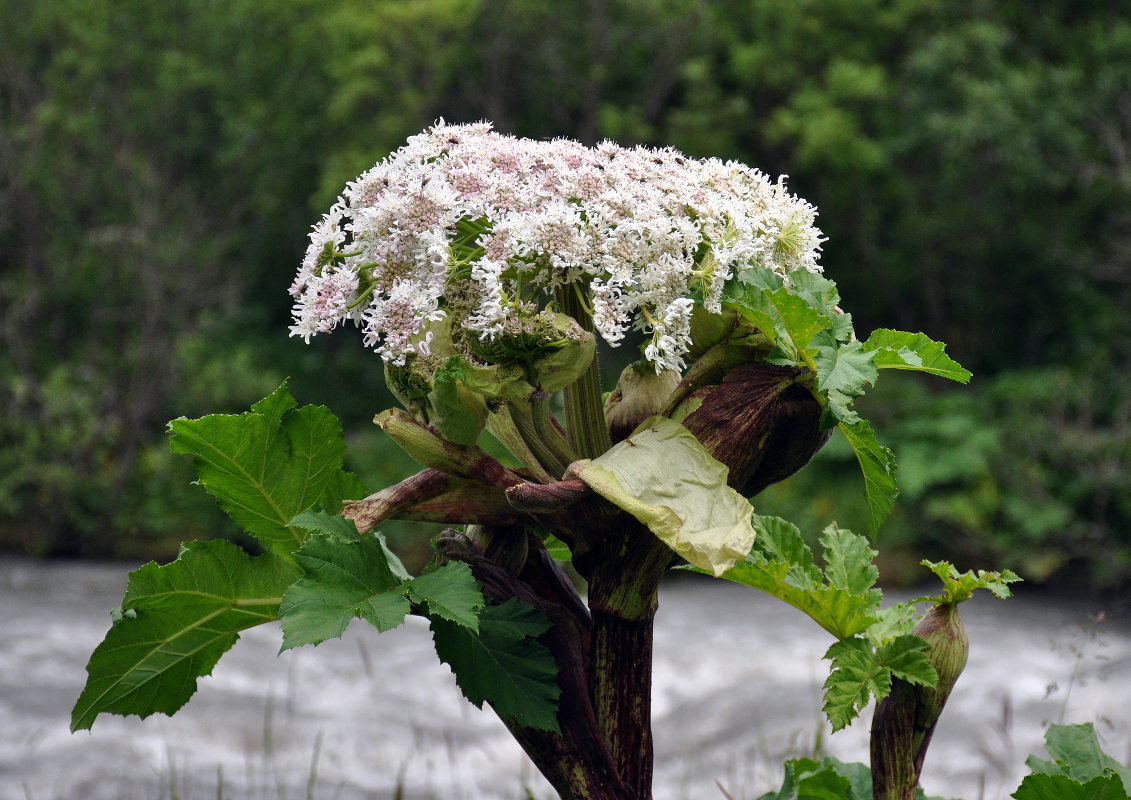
(958, 586)
(848, 560)
(344, 579)
(878, 465)
(333, 525)
(914, 351)
(558, 550)
(502, 664)
(843, 372)
(176, 622)
(266, 466)
(842, 327)
(1076, 752)
(782, 565)
(449, 591)
(783, 545)
(905, 657)
(855, 677)
(665, 478)
(338, 527)
(893, 621)
(348, 576)
(859, 672)
(814, 780)
(806, 778)
(842, 600)
(788, 319)
(1062, 787)
(818, 291)
(458, 413)
(342, 486)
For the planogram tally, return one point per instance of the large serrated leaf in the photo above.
(848, 561)
(860, 671)
(785, 318)
(855, 677)
(665, 478)
(891, 622)
(1076, 751)
(906, 658)
(914, 351)
(176, 622)
(843, 372)
(783, 566)
(878, 465)
(449, 591)
(818, 291)
(1062, 787)
(267, 465)
(344, 579)
(502, 664)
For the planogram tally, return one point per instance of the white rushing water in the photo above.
(737, 690)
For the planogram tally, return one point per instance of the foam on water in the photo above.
(736, 690)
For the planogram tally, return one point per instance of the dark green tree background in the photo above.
(160, 164)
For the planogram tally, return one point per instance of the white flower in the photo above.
(489, 319)
(644, 230)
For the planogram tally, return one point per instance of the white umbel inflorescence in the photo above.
(648, 232)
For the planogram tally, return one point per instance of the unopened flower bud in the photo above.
(905, 720)
(708, 329)
(947, 647)
(640, 393)
(759, 422)
(551, 347)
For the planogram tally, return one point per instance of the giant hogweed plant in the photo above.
(481, 269)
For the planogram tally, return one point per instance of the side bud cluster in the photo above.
(759, 422)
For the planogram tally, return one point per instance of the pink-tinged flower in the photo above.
(465, 221)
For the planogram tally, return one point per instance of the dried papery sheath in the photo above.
(467, 223)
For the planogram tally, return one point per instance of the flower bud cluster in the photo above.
(463, 210)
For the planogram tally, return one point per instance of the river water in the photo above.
(737, 690)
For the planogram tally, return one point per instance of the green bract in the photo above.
(662, 476)
(552, 349)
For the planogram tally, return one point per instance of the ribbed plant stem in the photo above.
(585, 415)
(547, 431)
(547, 458)
(623, 592)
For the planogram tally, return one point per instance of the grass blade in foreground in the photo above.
(175, 623)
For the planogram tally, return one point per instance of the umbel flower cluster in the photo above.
(476, 230)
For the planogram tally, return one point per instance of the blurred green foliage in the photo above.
(160, 164)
